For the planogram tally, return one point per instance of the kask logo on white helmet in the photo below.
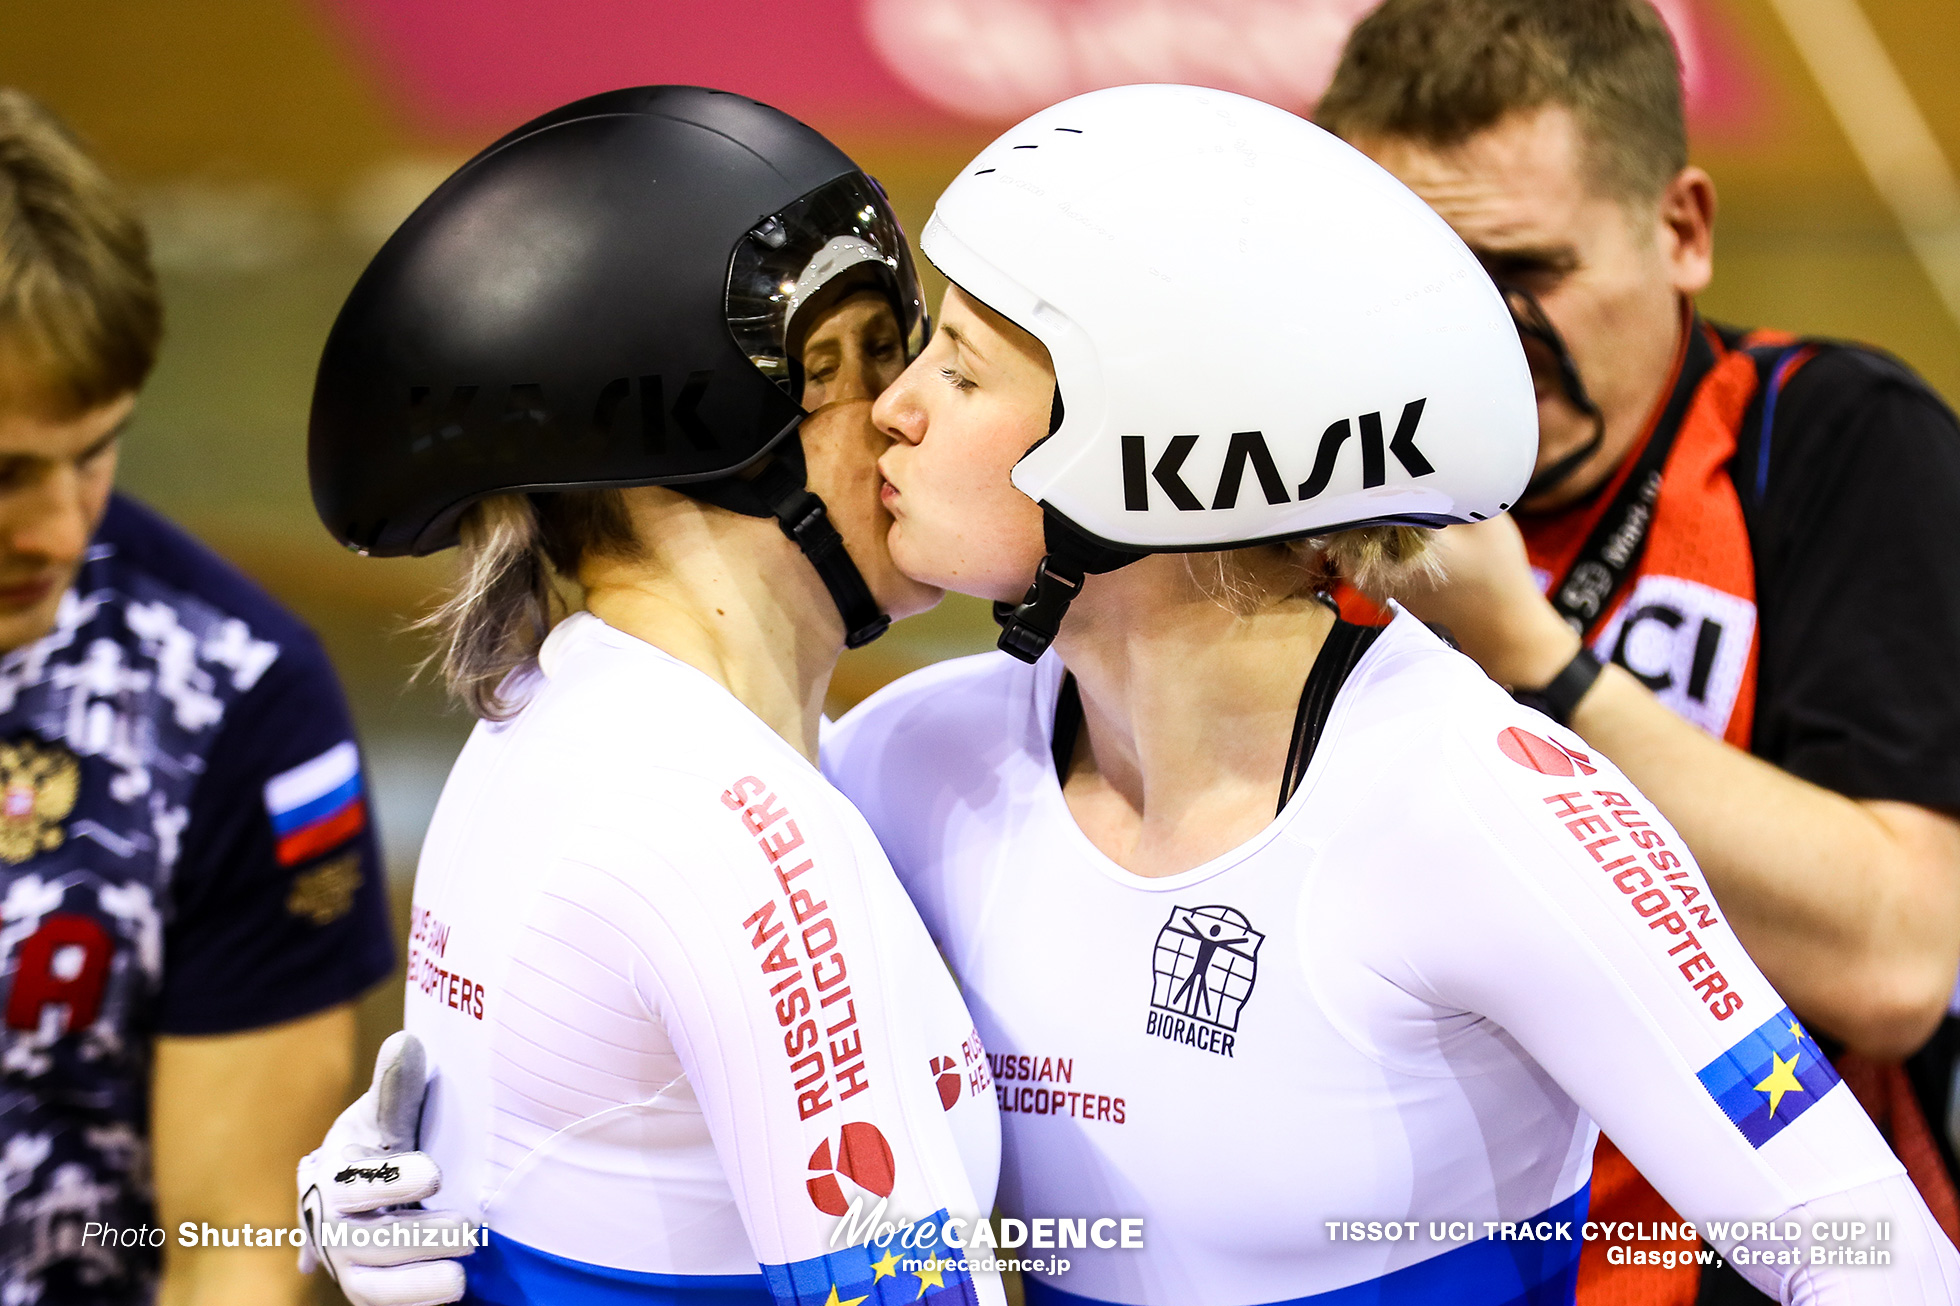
(1257, 333)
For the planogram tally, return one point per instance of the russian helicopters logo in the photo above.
(1536, 753)
(1248, 449)
(948, 1079)
(862, 1158)
(1204, 966)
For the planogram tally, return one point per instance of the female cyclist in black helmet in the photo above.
(694, 1042)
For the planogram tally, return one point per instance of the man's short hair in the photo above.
(80, 316)
(1440, 71)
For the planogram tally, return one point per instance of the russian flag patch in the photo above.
(318, 805)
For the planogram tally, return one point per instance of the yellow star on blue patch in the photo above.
(932, 1274)
(832, 1299)
(1782, 1079)
(886, 1267)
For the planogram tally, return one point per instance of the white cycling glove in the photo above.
(360, 1193)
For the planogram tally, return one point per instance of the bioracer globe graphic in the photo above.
(1205, 962)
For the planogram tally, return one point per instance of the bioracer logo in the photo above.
(1248, 449)
(1202, 972)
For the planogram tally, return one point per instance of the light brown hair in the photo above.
(80, 316)
(1380, 561)
(517, 567)
(1440, 71)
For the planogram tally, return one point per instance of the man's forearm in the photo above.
(231, 1114)
(1851, 908)
(233, 1277)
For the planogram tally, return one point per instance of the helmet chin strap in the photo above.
(778, 490)
(1027, 628)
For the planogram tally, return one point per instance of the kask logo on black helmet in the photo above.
(608, 296)
(627, 413)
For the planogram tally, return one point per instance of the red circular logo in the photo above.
(1541, 755)
(862, 1156)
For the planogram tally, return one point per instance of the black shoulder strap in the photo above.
(1617, 542)
(1068, 724)
(1345, 645)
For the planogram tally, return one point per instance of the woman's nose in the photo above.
(854, 380)
(897, 413)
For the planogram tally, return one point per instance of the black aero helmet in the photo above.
(601, 298)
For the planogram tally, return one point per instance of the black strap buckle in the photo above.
(1027, 629)
(802, 516)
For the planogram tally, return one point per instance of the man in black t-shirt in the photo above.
(1751, 532)
(190, 890)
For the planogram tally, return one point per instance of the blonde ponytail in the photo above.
(1377, 560)
(519, 556)
(1382, 560)
(500, 610)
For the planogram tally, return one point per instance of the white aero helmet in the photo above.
(1258, 334)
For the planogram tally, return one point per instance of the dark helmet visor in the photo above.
(792, 265)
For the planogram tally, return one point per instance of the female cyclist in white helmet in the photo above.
(693, 1042)
(1309, 946)
(1305, 946)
